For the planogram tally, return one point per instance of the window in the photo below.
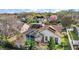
(46, 38)
(56, 40)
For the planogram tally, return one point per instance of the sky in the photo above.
(17, 6)
(27, 10)
(39, 4)
(12, 10)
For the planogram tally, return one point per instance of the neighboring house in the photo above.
(76, 42)
(77, 29)
(34, 35)
(40, 19)
(70, 29)
(37, 25)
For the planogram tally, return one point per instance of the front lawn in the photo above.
(64, 44)
(58, 47)
(73, 35)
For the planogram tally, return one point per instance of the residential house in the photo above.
(50, 32)
(37, 25)
(77, 30)
(34, 35)
(76, 42)
(43, 34)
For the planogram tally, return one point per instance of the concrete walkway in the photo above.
(70, 40)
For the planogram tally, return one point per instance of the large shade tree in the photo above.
(67, 21)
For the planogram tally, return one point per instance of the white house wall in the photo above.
(50, 34)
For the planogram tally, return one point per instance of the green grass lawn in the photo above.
(58, 47)
(77, 25)
(65, 43)
(74, 36)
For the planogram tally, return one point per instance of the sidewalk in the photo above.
(70, 40)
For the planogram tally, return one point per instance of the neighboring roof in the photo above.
(57, 27)
(24, 28)
(37, 25)
(77, 29)
(32, 32)
(38, 17)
